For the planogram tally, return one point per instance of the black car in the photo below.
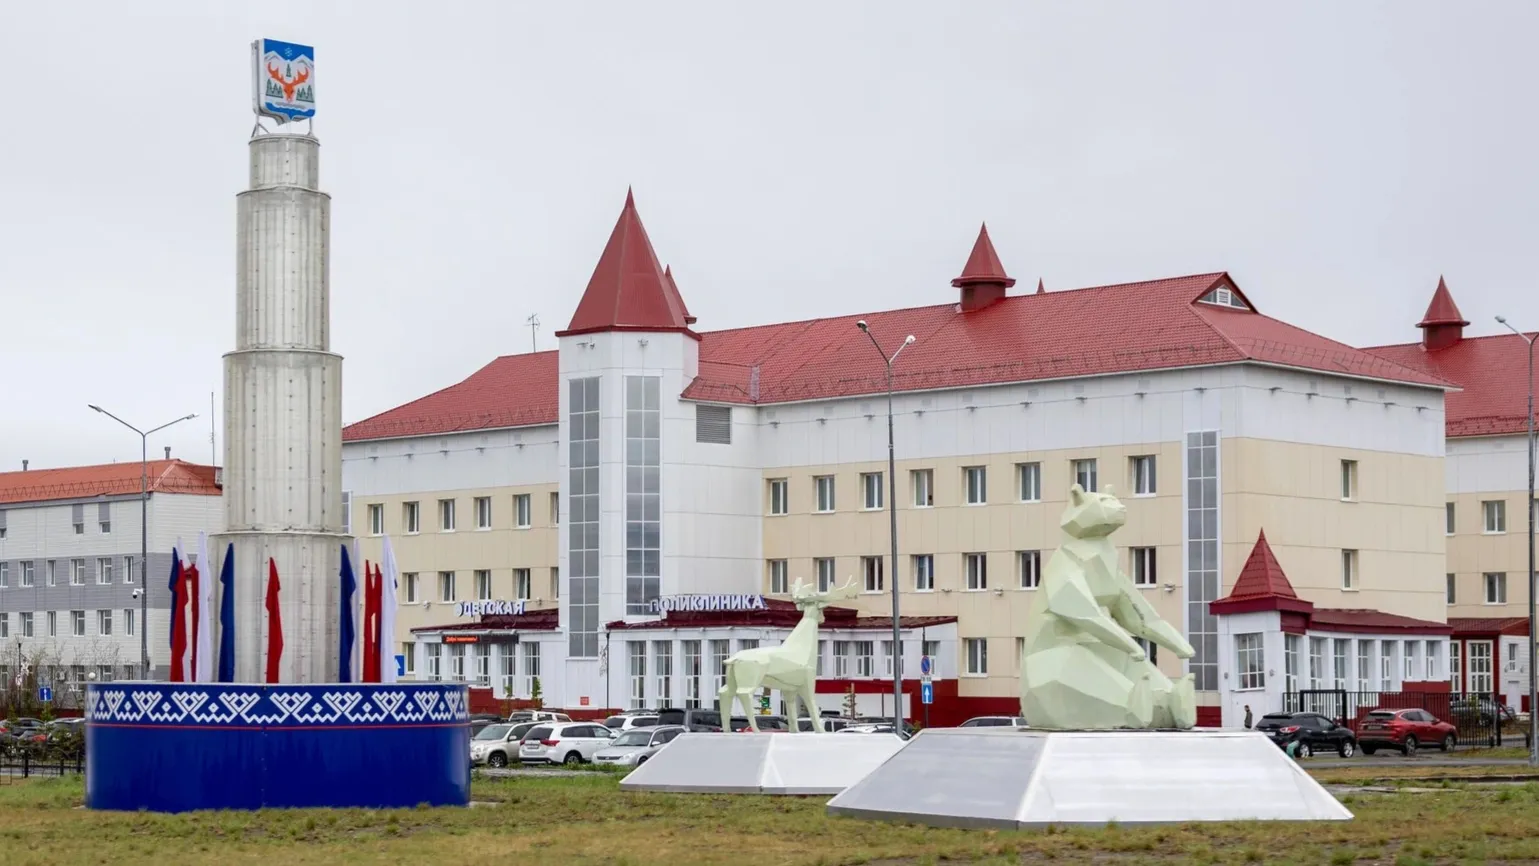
(693, 719)
(1313, 732)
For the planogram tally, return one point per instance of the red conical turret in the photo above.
(983, 280)
(628, 290)
(1443, 325)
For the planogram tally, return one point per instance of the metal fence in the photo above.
(1481, 719)
(18, 764)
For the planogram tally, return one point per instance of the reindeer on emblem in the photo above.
(791, 667)
(300, 77)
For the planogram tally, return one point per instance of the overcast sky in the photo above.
(790, 160)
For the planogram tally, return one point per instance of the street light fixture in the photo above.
(144, 531)
(892, 509)
(1533, 675)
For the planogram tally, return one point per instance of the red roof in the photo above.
(1355, 621)
(1125, 328)
(674, 296)
(1485, 626)
(1494, 396)
(780, 614)
(628, 289)
(983, 265)
(109, 479)
(1262, 585)
(1442, 310)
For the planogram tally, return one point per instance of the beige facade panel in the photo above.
(1488, 553)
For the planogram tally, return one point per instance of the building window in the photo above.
(53, 623)
(1317, 662)
(662, 661)
(1085, 474)
(531, 666)
(864, 651)
(1349, 569)
(523, 584)
(1028, 566)
(507, 669)
(977, 568)
(977, 652)
(825, 569)
(52, 572)
(484, 512)
(483, 579)
(720, 650)
(1365, 665)
(1413, 660)
(5, 631)
(104, 622)
(411, 517)
(1290, 663)
(77, 517)
(1479, 662)
(1455, 668)
(871, 490)
(410, 590)
(779, 496)
(446, 515)
(26, 624)
(77, 623)
(28, 578)
(692, 672)
(582, 524)
(1340, 650)
(128, 621)
(523, 511)
(457, 663)
(555, 509)
(822, 653)
(1496, 587)
(779, 577)
(434, 661)
(643, 493)
(1448, 518)
(976, 482)
(924, 572)
(481, 664)
(825, 489)
(1450, 580)
(638, 670)
(1349, 479)
(841, 659)
(77, 572)
(871, 570)
(1387, 665)
(1495, 512)
(1143, 475)
(446, 586)
(555, 583)
(1250, 661)
(1029, 478)
(923, 482)
(1144, 571)
(376, 520)
(104, 570)
(5, 575)
(1434, 661)
(1203, 584)
(887, 656)
(128, 569)
(104, 517)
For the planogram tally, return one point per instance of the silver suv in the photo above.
(565, 743)
(497, 745)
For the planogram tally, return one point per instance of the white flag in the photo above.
(205, 603)
(387, 616)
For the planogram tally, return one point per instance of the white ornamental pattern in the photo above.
(295, 706)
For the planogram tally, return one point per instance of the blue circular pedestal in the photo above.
(176, 747)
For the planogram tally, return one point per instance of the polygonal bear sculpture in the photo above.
(1082, 668)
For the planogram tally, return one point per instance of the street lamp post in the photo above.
(1533, 675)
(144, 532)
(892, 510)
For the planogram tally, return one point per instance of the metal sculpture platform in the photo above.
(959, 777)
(784, 763)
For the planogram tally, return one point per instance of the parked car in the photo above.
(633, 747)
(767, 724)
(626, 721)
(1405, 730)
(694, 719)
(1016, 722)
(1481, 711)
(1313, 732)
(564, 743)
(908, 728)
(479, 725)
(498, 745)
(831, 724)
(537, 716)
(874, 729)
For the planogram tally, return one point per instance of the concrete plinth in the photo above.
(788, 763)
(960, 777)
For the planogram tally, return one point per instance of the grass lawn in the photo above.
(587, 820)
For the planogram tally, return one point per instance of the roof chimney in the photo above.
(1443, 325)
(24, 465)
(983, 280)
(168, 452)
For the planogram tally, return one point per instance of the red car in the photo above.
(1404, 731)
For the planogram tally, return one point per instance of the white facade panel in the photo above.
(1487, 464)
(457, 461)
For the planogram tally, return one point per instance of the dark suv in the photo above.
(1313, 732)
(694, 720)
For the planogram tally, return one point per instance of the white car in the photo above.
(497, 745)
(626, 721)
(564, 743)
(633, 747)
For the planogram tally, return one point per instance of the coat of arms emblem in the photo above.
(283, 80)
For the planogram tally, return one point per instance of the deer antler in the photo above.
(302, 76)
(839, 593)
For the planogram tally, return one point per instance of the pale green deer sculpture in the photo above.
(1082, 668)
(791, 667)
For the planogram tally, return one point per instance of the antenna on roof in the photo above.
(534, 327)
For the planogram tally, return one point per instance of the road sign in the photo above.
(924, 666)
(400, 666)
(45, 694)
(764, 702)
(926, 693)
